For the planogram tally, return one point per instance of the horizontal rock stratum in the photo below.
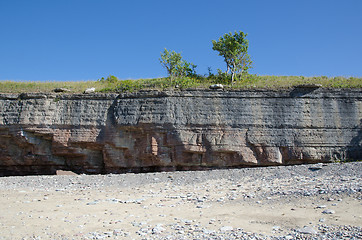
(177, 130)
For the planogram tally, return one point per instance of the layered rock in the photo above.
(152, 130)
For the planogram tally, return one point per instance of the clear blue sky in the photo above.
(89, 39)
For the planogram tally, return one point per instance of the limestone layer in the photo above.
(177, 130)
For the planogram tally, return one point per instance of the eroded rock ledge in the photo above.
(172, 130)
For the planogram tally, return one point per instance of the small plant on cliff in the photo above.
(234, 49)
(176, 67)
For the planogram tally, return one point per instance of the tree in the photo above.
(109, 79)
(175, 65)
(234, 49)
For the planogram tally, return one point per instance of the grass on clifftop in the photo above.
(113, 84)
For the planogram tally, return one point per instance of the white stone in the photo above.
(217, 86)
(307, 230)
(321, 206)
(226, 228)
(158, 229)
(90, 90)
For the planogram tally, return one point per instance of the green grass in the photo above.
(17, 87)
(277, 82)
(112, 84)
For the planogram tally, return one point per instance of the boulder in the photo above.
(217, 86)
(57, 90)
(310, 85)
(90, 90)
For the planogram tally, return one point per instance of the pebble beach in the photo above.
(317, 201)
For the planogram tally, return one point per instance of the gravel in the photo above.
(329, 181)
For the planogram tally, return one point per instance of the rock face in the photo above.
(177, 130)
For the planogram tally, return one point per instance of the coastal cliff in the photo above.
(177, 130)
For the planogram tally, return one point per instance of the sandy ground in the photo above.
(178, 204)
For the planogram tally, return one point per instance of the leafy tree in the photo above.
(112, 79)
(109, 79)
(234, 49)
(175, 65)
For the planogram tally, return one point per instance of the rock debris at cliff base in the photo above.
(321, 201)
